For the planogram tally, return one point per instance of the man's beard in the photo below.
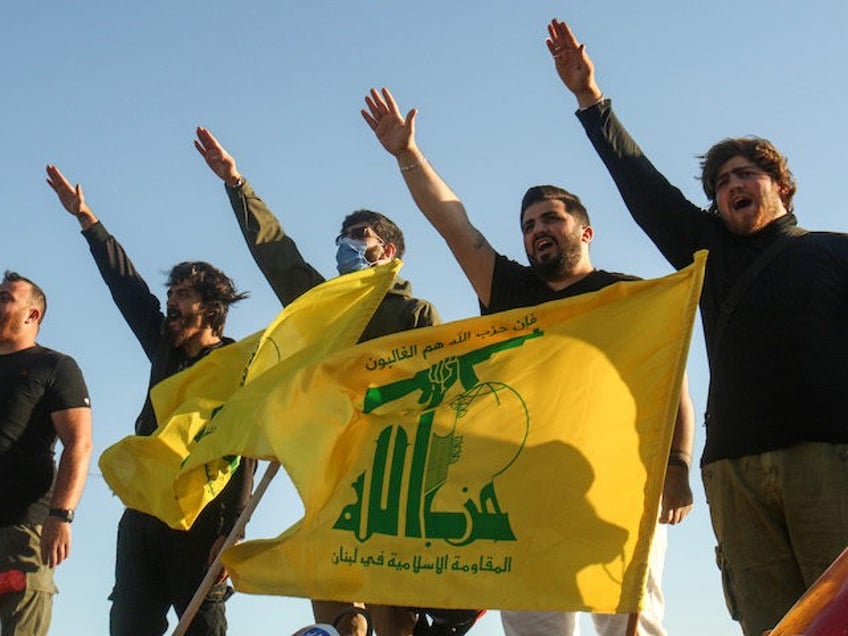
(559, 265)
(179, 328)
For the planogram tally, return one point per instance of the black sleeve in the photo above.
(275, 253)
(676, 226)
(236, 495)
(139, 307)
(67, 388)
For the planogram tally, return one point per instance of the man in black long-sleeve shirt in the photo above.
(158, 567)
(776, 344)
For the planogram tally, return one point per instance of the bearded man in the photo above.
(158, 567)
(557, 234)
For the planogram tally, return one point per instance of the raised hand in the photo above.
(573, 65)
(393, 130)
(71, 197)
(219, 160)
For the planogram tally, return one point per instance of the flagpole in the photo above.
(212, 574)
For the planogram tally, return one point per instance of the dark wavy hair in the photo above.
(215, 288)
(382, 225)
(761, 152)
(39, 298)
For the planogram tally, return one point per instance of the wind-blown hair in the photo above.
(215, 288)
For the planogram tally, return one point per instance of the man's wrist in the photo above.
(679, 458)
(235, 182)
(63, 514)
(590, 99)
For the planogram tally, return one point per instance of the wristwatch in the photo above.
(65, 514)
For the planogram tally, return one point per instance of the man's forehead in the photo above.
(181, 285)
(16, 288)
(734, 163)
(543, 207)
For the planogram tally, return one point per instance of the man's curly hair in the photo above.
(215, 288)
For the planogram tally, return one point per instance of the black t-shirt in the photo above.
(515, 285)
(34, 383)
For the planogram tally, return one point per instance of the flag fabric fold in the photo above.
(508, 461)
(142, 470)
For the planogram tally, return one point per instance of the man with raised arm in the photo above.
(557, 234)
(42, 396)
(774, 309)
(366, 239)
(158, 567)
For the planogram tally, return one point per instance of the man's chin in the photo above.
(546, 270)
(176, 338)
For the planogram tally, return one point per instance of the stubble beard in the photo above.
(179, 331)
(559, 265)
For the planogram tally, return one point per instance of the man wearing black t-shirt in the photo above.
(42, 397)
(557, 234)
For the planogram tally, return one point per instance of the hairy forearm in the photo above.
(433, 196)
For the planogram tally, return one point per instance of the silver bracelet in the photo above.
(413, 166)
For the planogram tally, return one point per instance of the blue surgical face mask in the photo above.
(350, 257)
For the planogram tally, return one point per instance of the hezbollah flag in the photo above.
(141, 470)
(509, 461)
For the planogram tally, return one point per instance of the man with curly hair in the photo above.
(158, 567)
(774, 308)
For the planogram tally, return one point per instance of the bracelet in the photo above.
(676, 461)
(413, 166)
(238, 184)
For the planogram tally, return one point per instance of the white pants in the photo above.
(567, 624)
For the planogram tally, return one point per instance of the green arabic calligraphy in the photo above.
(378, 507)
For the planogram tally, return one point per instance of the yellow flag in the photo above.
(142, 470)
(509, 461)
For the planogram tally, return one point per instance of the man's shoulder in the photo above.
(615, 277)
(49, 356)
(600, 278)
(45, 367)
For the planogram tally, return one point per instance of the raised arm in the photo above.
(139, 307)
(217, 158)
(677, 494)
(676, 226)
(573, 65)
(432, 195)
(71, 197)
(73, 428)
(275, 253)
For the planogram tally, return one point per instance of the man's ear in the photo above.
(389, 251)
(588, 234)
(33, 316)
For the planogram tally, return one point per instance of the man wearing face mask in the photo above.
(366, 239)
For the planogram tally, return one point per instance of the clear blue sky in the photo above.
(112, 92)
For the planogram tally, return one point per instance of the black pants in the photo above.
(157, 567)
